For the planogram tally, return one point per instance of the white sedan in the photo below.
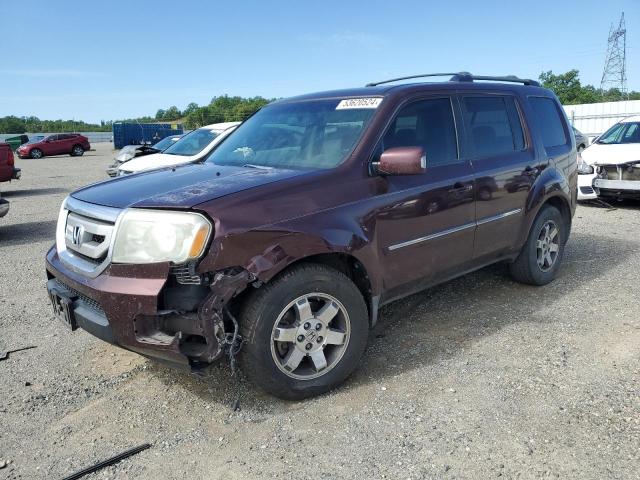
(190, 148)
(610, 166)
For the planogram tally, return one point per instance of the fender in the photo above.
(284, 244)
(550, 183)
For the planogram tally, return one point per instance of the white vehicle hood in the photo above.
(160, 160)
(602, 154)
(156, 160)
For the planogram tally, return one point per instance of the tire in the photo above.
(264, 359)
(77, 151)
(527, 267)
(36, 153)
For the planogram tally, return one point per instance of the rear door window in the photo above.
(493, 124)
(428, 124)
(548, 121)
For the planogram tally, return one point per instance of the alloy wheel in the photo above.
(310, 336)
(548, 246)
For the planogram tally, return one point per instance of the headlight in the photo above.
(583, 168)
(150, 236)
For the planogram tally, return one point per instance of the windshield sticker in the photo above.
(372, 102)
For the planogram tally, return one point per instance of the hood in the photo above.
(602, 154)
(183, 187)
(156, 160)
(126, 153)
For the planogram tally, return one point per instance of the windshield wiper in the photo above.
(261, 167)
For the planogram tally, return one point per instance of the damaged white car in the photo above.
(610, 167)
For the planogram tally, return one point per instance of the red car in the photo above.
(72, 143)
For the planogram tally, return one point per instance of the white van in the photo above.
(193, 146)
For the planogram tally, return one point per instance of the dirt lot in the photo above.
(475, 379)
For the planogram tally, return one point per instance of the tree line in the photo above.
(220, 109)
(567, 87)
(570, 91)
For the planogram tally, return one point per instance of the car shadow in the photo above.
(25, 233)
(431, 326)
(31, 192)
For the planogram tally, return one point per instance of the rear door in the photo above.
(65, 143)
(425, 223)
(504, 166)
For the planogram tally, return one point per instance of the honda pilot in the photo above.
(280, 247)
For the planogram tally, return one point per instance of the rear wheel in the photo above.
(77, 151)
(36, 153)
(305, 332)
(541, 256)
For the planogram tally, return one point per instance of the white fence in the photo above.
(594, 119)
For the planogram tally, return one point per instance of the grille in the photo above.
(83, 237)
(86, 301)
(586, 190)
(88, 236)
(183, 275)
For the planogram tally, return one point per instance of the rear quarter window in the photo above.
(548, 121)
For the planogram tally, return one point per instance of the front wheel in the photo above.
(541, 256)
(36, 153)
(304, 332)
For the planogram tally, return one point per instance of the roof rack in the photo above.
(463, 77)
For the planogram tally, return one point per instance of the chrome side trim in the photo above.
(442, 233)
(500, 216)
(449, 231)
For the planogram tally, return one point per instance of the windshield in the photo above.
(165, 143)
(312, 134)
(192, 143)
(628, 132)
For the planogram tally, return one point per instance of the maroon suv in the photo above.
(72, 144)
(282, 245)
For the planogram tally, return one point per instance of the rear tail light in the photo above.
(10, 160)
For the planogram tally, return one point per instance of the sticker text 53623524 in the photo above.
(369, 102)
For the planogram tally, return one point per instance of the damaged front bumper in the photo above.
(618, 180)
(185, 326)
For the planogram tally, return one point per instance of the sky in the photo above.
(92, 61)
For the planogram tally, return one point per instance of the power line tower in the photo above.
(614, 74)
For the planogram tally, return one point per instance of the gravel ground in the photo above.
(478, 378)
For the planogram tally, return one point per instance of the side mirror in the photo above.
(402, 161)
